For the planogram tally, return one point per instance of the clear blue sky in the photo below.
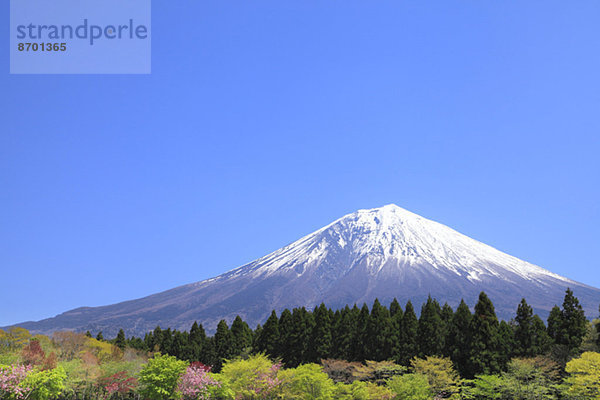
(265, 120)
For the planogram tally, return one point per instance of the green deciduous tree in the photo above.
(410, 387)
(306, 382)
(159, 377)
(441, 375)
(583, 381)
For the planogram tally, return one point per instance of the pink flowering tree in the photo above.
(12, 379)
(196, 383)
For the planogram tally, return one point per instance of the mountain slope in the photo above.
(385, 252)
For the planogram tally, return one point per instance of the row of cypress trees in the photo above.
(476, 342)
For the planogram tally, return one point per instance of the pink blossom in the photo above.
(195, 382)
(11, 378)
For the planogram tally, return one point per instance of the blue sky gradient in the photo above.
(263, 121)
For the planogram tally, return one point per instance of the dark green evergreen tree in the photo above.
(321, 334)
(430, 332)
(241, 335)
(120, 341)
(343, 334)
(446, 316)
(540, 340)
(554, 323)
(409, 329)
(524, 330)
(574, 323)
(268, 341)
(302, 324)
(360, 335)
(396, 316)
(285, 336)
(458, 338)
(196, 342)
(99, 336)
(484, 357)
(378, 333)
(506, 344)
(88, 334)
(223, 342)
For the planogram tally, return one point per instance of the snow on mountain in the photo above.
(380, 253)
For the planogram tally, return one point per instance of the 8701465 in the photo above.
(42, 46)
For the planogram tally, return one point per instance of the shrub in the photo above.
(196, 383)
(11, 378)
(253, 378)
(584, 376)
(160, 376)
(44, 385)
(306, 382)
(410, 387)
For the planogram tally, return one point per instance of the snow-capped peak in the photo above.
(388, 238)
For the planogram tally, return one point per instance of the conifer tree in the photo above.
(446, 315)
(410, 326)
(223, 342)
(430, 331)
(540, 340)
(285, 334)
(524, 330)
(360, 335)
(458, 339)
(268, 341)
(506, 344)
(196, 342)
(241, 336)
(396, 316)
(554, 323)
(120, 340)
(343, 334)
(574, 323)
(99, 336)
(299, 337)
(378, 332)
(321, 334)
(484, 357)
(88, 334)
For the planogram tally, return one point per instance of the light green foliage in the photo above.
(440, 373)
(583, 381)
(248, 379)
(307, 382)
(377, 371)
(526, 379)
(13, 339)
(45, 385)
(361, 391)
(159, 377)
(483, 387)
(410, 387)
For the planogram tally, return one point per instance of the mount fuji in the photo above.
(380, 253)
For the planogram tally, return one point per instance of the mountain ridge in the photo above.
(383, 253)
